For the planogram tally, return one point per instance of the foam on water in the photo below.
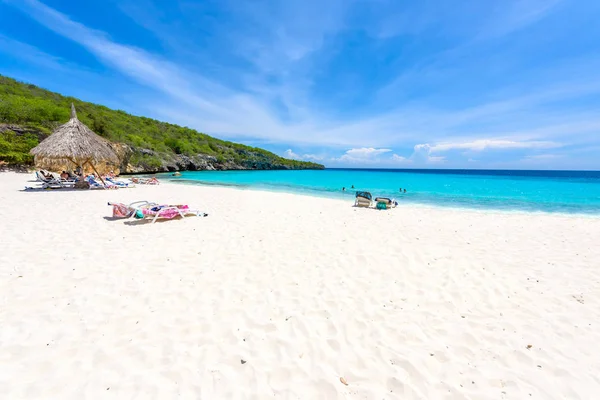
(530, 191)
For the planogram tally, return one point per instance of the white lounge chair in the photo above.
(54, 182)
(389, 203)
(363, 199)
(121, 210)
(168, 212)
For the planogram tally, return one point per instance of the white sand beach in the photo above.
(279, 296)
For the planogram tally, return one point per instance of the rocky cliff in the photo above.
(141, 160)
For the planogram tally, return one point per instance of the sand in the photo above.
(279, 296)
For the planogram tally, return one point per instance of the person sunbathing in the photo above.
(145, 181)
(110, 179)
(91, 179)
(64, 176)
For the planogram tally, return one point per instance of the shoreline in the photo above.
(278, 294)
(350, 199)
(325, 194)
(315, 194)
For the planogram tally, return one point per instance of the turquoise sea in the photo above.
(546, 191)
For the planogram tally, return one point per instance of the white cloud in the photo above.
(422, 155)
(399, 159)
(363, 155)
(289, 153)
(373, 156)
(486, 144)
(366, 152)
(424, 152)
(313, 157)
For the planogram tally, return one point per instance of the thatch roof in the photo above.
(75, 142)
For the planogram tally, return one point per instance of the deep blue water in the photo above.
(548, 191)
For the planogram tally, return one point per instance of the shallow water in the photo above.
(546, 191)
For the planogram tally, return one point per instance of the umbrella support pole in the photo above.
(78, 165)
(94, 168)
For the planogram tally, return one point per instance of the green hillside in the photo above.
(28, 114)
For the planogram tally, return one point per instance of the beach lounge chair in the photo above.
(363, 199)
(121, 210)
(41, 175)
(47, 177)
(384, 203)
(166, 211)
(55, 182)
(94, 184)
(119, 182)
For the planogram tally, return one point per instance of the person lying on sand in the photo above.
(145, 181)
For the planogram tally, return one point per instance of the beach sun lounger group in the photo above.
(109, 183)
(50, 180)
(365, 199)
(153, 211)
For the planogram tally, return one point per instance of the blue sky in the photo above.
(379, 83)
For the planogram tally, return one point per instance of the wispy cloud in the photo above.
(489, 144)
(516, 15)
(422, 155)
(289, 153)
(432, 85)
(399, 159)
(363, 155)
(538, 157)
(30, 53)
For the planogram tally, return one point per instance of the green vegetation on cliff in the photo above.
(28, 114)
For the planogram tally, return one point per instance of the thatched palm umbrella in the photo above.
(75, 142)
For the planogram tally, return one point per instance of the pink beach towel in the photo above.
(165, 211)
